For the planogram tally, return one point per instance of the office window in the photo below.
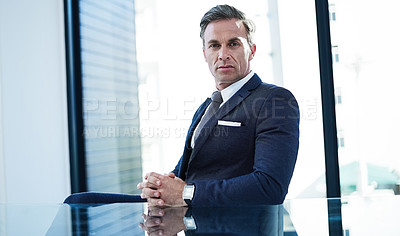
(109, 95)
(368, 75)
(338, 96)
(332, 12)
(340, 138)
(301, 76)
(335, 53)
(341, 142)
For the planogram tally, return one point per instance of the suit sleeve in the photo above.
(176, 169)
(276, 147)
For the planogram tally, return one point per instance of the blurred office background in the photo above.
(89, 91)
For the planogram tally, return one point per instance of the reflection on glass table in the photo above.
(350, 216)
(130, 219)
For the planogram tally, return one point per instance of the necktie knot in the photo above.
(217, 97)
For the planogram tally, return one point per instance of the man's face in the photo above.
(227, 51)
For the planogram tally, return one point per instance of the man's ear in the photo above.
(253, 52)
(204, 54)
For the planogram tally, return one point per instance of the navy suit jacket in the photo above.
(249, 164)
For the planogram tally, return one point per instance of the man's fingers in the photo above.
(140, 185)
(142, 226)
(156, 211)
(147, 184)
(147, 175)
(151, 222)
(150, 193)
(155, 202)
(157, 232)
(153, 180)
(171, 175)
(153, 174)
(152, 230)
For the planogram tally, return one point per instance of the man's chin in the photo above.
(221, 84)
(227, 79)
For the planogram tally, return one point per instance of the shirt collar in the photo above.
(228, 92)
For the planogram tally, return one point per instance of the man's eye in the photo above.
(214, 45)
(234, 44)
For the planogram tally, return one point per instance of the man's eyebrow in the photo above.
(234, 39)
(212, 41)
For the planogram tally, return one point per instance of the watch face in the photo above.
(189, 223)
(188, 192)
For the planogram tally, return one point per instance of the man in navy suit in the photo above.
(246, 152)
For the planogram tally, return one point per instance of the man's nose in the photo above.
(223, 53)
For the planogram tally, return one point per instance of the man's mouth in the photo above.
(225, 67)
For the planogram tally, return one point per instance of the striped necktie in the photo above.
(211, 110)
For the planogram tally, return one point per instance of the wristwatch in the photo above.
(190, 223)
(188, 193)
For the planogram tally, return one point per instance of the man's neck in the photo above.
(222, 86)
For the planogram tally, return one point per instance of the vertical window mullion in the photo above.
(74, 93)
(328, 99)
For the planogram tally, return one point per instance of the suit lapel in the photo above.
(234, 101)
(196, 121)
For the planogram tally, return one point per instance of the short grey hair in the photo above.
(226, 12)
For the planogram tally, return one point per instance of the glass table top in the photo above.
(378, 215)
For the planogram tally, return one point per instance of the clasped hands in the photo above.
(162, 189)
